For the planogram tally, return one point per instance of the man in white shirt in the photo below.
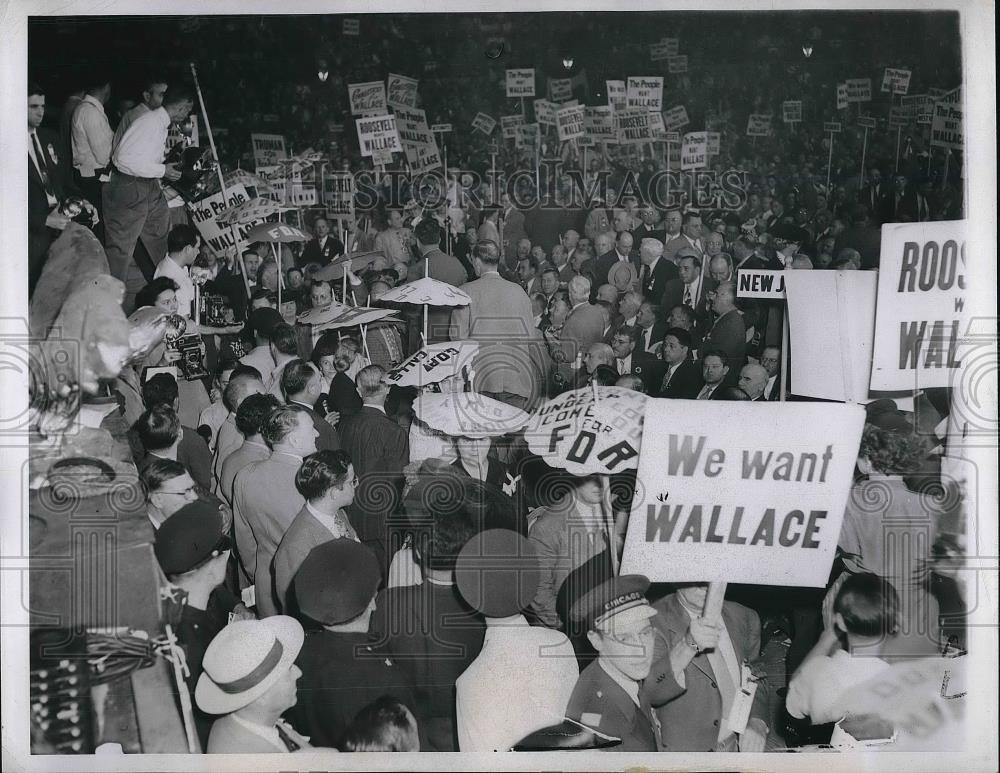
(183, 245)
(91, 139)
(152, 99)
(134, 206)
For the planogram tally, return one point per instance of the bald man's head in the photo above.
(598, 354)
(753, 379)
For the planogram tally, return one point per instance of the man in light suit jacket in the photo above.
(379, 449)
(584, 326)
(508, 365)
(265, 499)
(326, 480)
(690, 238)
(697, 672)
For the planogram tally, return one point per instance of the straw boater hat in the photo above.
(622, 275)
(245, 660)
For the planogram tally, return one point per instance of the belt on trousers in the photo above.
(131, 176)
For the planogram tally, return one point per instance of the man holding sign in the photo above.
(705, 695)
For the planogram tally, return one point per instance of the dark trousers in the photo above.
(134, 209)
(91, 188)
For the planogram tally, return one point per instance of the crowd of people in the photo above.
(355, 579)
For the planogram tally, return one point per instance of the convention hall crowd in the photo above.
(328, 408)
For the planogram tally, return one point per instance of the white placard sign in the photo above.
(714, 143)
(676, 118)
(758, 125)
(378, 135)
(510, 124)
(484, 123)
(921, 305)
(545, 112)
(677, 64)
(521, 82)
(831, 321)
(560, 89)
(896, 81)
(636, 127)
(204, 212)
(644, 93)
(761, 284)
(401, 91)
(659, 52)
(946, 123)
(859, 90)
(842, 101)
(617, 95)
(268, 149)
(570, 122)
(600, 124)
(791, 111)
(754, 494)
(367, 98)
(694, 151)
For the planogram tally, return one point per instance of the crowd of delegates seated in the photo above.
(294, 490)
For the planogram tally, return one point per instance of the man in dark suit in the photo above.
(621, 252)
(513, 227)
(608, 696)
(770, 360)
(326, 480)
(302, 385)
(48, 184)
(682, 379)
(871, 194)
(753, 379)
(900, 204)
(631, 361)
(648, 229)
(863, 235)
(650, 329)
(656, 270)
(342, 671)
(379, 449)
(429, 629)
(323, 247)
(728, 332)
(437, 265)
(694, 681)
(690, 287)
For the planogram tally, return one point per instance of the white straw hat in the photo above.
(244, 661)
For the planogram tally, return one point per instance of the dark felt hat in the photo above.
(337, 581)
(189, 537)
(497, 572)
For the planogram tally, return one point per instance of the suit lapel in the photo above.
(676, 620)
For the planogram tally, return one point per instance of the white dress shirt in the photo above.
(140, 152)
(337, 524)
(126, 121)
(168, 267)
(694, 289)
(625, 365)
(92, 136)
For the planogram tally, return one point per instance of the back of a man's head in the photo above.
(284, 339)
(161, 389)
(371, 382)
(158, 428)
(296, 377)
(579, 289)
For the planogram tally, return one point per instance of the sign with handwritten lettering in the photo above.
(401, 91)
(434, 363)
(753, 495)
(367, 98)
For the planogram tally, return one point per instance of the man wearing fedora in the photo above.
(326, 479)
(333, 593)
(522, 679)
(607, 696)
(250, 678)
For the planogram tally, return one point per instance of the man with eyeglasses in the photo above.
(168, 487)
(608, 697)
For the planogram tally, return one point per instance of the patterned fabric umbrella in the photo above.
(358, 260)
(434, 363)
(580, 435)
(427, 291)
(276, 233)
(256, 209)
(469, 414)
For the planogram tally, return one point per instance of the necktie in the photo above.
(621, 367)
(706, 392)
(645, 276)
(645, 338)
(43, 168)
(687, 296)
(286, 739)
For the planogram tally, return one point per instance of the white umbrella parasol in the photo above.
(469, 414)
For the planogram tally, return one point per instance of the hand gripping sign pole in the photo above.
(218, 169)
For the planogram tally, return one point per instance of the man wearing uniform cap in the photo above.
(193, 550)
(250, 676)
(523, 677)
(333, 594)
(607, 696)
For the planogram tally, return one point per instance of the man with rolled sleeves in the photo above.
(334, 594)
(698, 675)
(608, 696)
(134, 206)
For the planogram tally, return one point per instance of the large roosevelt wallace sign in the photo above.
(741, 492)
